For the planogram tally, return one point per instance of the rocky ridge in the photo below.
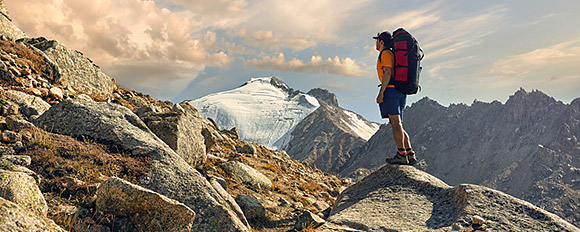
(527, 147)
(403, 198)
(324, 138)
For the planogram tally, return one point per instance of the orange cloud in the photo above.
(336, 65)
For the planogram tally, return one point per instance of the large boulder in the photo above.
(308, 220)
(148, 210)
(181, 130)
(404, 198)
(28, 104)
(169, 174)
(252, 208)
(247, 174)
(77, 71)
(228, 199)
(21, 189)
(16, 218)
(7, 29)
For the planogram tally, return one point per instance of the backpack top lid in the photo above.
(400, 31)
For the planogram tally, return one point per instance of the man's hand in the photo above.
(380, 98)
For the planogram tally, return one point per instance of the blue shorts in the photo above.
(393, 103)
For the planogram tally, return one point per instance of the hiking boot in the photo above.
(411, 158)
(398, 159)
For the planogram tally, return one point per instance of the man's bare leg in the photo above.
(398, 133)
(403, 142)
(399, 136)
(406, 139)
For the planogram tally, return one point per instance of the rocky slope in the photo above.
(403, 198)
(527, 147)
(80, 153)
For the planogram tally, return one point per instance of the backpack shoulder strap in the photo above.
(381, 53)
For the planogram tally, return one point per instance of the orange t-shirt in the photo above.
(387, 60)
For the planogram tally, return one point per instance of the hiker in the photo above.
(392, 101)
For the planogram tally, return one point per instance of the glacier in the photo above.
(360, 126)
(264, 110)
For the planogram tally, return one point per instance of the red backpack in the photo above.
(408, 56)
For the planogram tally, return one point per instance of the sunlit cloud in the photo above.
(413, 20)
(336, 65)
(218, 7)
(562, 56)
(451, 36)
(120, 34)
(320, 21)
(267, 40)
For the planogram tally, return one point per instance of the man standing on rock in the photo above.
(392, 102)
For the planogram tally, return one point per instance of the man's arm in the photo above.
(386, 78)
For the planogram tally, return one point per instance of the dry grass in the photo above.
(272, 168)
(126, 95)
(310, 187)
(54, 156)
(59, 158)
(27, 57)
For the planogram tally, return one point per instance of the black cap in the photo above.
(384, 36)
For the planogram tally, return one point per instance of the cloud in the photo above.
(562, 57)
(301, 24)
(217, 7)
(266, 39)
(121, 29)
(122, 34)
(336, 66)
(450, 36)
(413, 20)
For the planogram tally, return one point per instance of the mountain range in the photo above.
(527, 147)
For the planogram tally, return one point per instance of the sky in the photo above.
(185, 49)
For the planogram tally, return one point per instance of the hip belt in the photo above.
(388, 86)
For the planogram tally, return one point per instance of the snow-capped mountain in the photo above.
(359, 125)
(311, 126)
(263, 110)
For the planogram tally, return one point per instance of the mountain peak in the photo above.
(324, 95)
(274, 81)
(533, 96)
